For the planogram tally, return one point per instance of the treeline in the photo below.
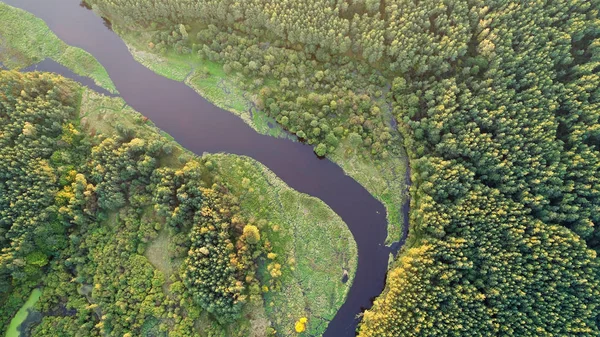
(498, 105)
(77, 213)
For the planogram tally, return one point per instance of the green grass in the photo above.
(21, 315)
(102, 114)
(173, 67)
(209, 81)
(26, 40)
(158, 253)
(385, 179)
(261, 124)
(313, 245)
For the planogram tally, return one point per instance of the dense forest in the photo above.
(497, 103)
(129, 235)
(64, 198)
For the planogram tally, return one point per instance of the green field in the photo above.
(26, 40)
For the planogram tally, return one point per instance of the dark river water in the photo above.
(202, 127)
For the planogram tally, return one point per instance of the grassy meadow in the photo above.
(26, 40)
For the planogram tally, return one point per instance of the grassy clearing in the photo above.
(158, 254)
(101, 115)
(209, 81)
(26, 40)
(383, 178)
(312, 244)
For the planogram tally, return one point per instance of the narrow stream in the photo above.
(201, 127)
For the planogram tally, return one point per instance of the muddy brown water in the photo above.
(201, 127)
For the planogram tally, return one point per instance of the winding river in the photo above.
(202, 127)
